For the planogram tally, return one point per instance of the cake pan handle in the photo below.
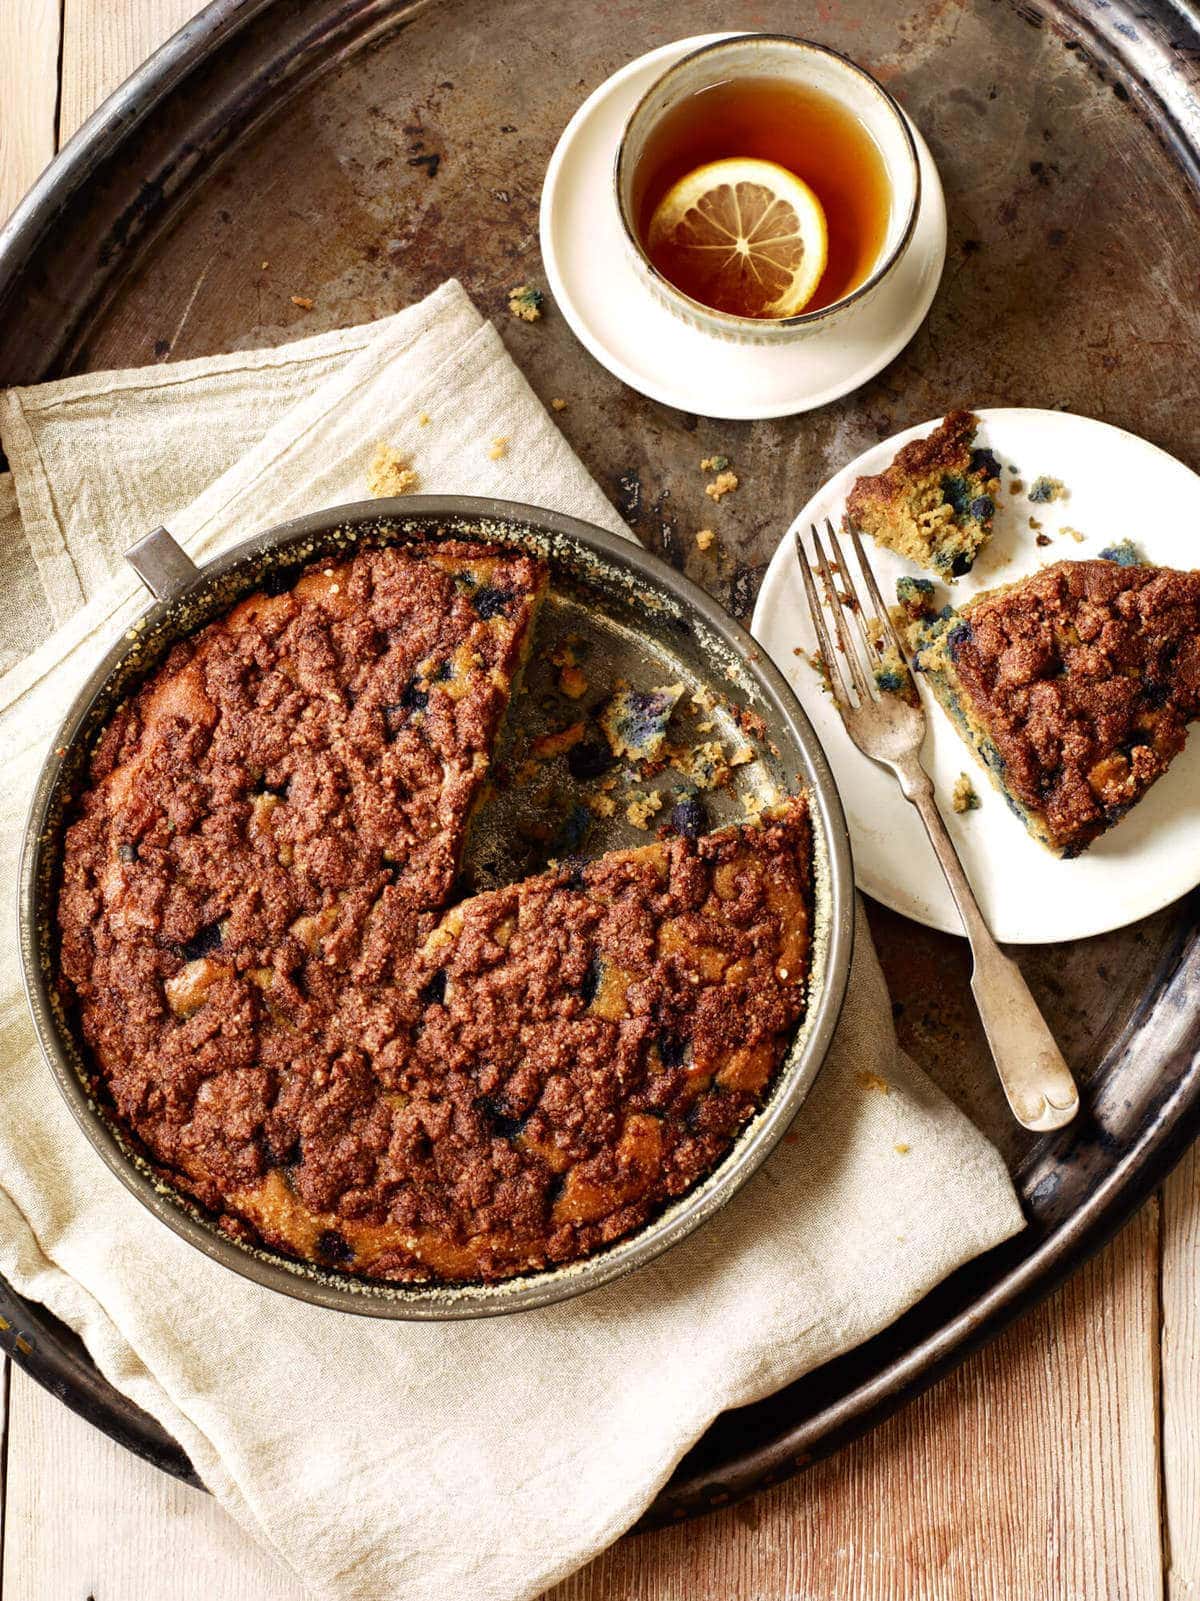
(162, 564)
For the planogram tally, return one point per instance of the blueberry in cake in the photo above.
(299, 1034)
(635, 721)
(935, 502)
(1074, 686)
(1125, 553)
(891, 675)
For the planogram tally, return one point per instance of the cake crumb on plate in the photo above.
(963, 797)
(1043, 490)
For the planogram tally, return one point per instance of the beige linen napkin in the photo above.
(413, 1462)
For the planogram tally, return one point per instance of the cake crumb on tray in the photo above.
(723, 484)
(526, 302)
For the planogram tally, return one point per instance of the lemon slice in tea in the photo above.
(743, 236)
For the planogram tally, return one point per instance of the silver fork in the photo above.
(1036, 1079)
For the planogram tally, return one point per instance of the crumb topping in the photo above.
(253, 927)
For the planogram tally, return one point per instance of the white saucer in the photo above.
(1120, 488)
(618, 319)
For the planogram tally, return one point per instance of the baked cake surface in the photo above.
(304, 1039)
(567, 1055)
(935, 502)
(1074, 686)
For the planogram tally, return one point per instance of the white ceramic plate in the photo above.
(620, 322)
(1119, 487)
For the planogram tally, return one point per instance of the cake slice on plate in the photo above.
(936, 501)
(1074, 687)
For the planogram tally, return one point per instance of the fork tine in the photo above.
(881, 610)
(856, 606)
(848, 647)
(829, 655)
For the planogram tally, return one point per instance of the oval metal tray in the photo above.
(369, 149)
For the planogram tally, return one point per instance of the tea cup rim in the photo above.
(762, 327)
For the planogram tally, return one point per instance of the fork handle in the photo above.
(1036, 1079)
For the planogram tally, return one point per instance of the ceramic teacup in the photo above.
(814, 66)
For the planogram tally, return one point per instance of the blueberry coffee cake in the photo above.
(299, 1029)
(1074, 686)
(565, 1056)
(935, 502)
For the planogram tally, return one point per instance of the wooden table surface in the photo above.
(1060, 1464)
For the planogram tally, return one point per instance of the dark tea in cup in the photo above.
(719, 218)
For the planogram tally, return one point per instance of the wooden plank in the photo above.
(85, 1517)
(29, 41)
(103, 43)
(5, 1381)
(1031, 1472)
(1181, 1378)
(29, 35)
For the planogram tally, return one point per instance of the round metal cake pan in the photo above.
(647, 608)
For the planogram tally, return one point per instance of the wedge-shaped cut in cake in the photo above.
(935, 502)
(1074, 686)
(566, 1055)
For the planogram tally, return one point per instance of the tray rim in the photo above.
(1159, 90)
